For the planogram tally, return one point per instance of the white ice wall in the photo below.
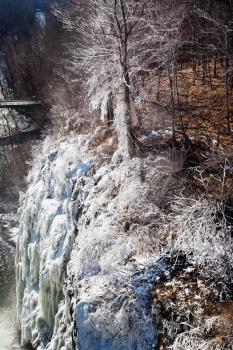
(46, 236)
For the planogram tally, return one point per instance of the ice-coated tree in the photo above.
(102, 51)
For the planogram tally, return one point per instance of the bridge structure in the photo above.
(20, 135)
(18, 103)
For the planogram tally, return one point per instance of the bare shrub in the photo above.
(212, 335)
(199, 234)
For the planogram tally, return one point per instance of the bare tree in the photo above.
(105, 30)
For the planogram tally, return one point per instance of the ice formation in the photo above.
(84, 263)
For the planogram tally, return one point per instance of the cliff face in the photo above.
(100, 264)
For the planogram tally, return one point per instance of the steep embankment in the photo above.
(102, 264)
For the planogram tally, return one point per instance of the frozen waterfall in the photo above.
(84, 266)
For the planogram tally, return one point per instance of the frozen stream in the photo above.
(8, 333)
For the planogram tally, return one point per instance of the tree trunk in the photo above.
(123, 127)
